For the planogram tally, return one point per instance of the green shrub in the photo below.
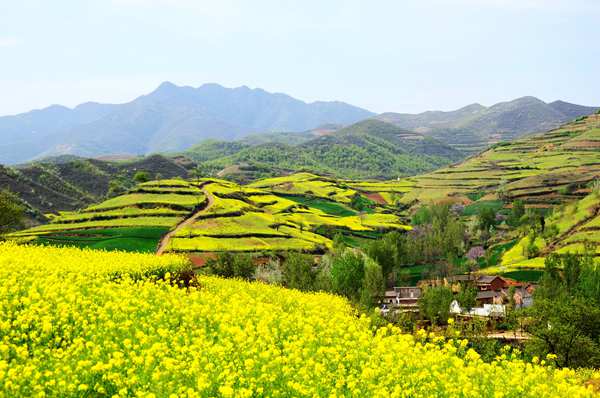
(297, 271)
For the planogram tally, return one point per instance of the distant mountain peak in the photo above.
(170, 118)
(474, 127)
(165, 88)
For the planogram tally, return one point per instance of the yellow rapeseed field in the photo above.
(81, 323)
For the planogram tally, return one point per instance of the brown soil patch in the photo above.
(199, 260)
(376, 197)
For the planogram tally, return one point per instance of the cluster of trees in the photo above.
(12, 212)
(437, 240)
(565, 317)
(348, 272)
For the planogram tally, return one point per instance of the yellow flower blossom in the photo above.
(92, 323)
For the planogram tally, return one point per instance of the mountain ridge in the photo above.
(474, 127)
(169, 118)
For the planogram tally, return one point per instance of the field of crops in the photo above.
(543, 170)
(569, 229)
(251, 219)
(80, 323)
(212, 215)
(135, 221)
(307, 184)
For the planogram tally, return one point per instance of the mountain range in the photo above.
(173, 118)
(170, 118)
(475, 127)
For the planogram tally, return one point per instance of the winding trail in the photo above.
(164, 241)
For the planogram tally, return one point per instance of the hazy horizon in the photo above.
(389, 57)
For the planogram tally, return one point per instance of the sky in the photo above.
(401, 56)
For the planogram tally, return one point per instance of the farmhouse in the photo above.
(405, 298)
(482, 282)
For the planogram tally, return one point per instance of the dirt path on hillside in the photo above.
(188, 221)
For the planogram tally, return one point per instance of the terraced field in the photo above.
(576, 228)
(255, 218)
(135, 221)
(542, 170)
(302, 184)
(210, 215)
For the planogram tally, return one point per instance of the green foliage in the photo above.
(229, 265)
(467, 297)
(422, 216)
(141, 177)
(373, 284)
(516, 213)
(298, 271)
(115, 188)
(435, 304)
(565, 317)
(11, 212)
(486, 218)
(531, 250)
(387, 252)
(243, 266)
(347, 273)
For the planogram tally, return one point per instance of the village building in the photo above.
(405, 298)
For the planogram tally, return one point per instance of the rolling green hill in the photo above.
(60, 184)
(367, 149)
(542, 170)
(210, 215)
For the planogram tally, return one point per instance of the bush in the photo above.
(11, 212)
(297, 271)
(228, 265)
(435, 304)
(141, 177)
(347, 273)
(373, 284)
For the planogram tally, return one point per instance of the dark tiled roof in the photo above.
(486, 278)
(488, 294)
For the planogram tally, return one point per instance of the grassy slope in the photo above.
(239, 218)
(544, 170)
(134, 221)
(53, 186)
(576, 224)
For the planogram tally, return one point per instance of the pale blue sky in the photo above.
(401, 55)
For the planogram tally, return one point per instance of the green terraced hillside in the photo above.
(573, 228)
(542, 170)
(135, 221)
(211, 215)
(300, 212)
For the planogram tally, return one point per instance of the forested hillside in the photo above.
(367, 149)
(73, 183)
